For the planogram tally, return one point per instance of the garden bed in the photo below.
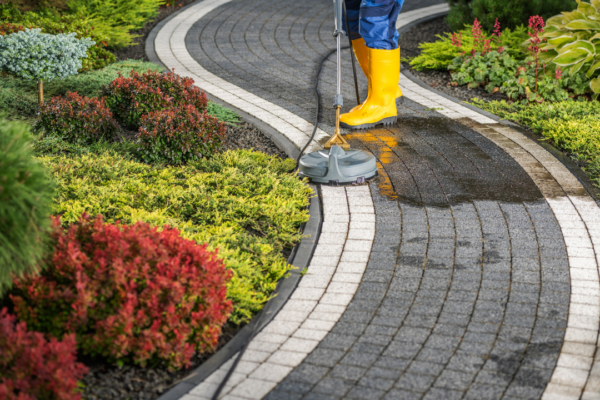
(440, 80)
(242, 201)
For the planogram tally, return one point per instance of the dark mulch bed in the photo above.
(247, 136)
(106, 381)
(439, 80)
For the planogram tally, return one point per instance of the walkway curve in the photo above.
(468, 270)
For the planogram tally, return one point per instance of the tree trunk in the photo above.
(41, 92)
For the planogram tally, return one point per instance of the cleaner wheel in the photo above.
(338, 166)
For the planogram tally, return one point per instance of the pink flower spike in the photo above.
(558, 73)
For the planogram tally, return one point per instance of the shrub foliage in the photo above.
(32, 367)
(245, 203)
(441, 53)
(18, 97)
(54, 23)
(128, 292)
(25, 205)
(572, 126)
(130, 98)
(77, 119)
(510, 13)
(179, 135)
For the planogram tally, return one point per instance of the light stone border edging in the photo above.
(318, 302)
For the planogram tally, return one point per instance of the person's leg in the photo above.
(377, 23)
(377, 26)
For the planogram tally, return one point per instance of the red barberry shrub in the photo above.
(32, 367)
(77, 119)
(128, 292)
(178, 135)
(130, 98)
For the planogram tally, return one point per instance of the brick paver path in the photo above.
(466, 270)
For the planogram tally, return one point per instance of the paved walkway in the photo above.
(466, 270)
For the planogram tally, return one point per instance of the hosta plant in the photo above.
(572, 40)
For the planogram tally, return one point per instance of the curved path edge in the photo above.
(300, 259)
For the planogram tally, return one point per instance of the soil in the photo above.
(439, 80)
(106, 381)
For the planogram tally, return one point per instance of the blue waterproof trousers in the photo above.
(374, 21)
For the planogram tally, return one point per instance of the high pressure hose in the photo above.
(312, 136)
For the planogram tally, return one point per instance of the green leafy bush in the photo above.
(25, 205)
(77, 119)
(510, 13)
(500, 72)
(54, 23)
(179, 135)
(18, 97)
(116, 18)
(440, 54)
(245, 203)
(130, 98)
(572, 126)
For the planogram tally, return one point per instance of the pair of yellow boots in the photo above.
(382, 68)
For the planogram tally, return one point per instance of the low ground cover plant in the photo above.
(128, 292)
(572, 126)
(25, 203)
(179, 135)
(245, 203)
(440, 54)
(32, 367)
(77, 119)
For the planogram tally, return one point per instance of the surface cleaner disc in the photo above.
(338, 166)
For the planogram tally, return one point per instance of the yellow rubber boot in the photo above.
(361, 52)
(380, 106)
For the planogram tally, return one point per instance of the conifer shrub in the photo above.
(130, 98)
(25, 205)
(12, 21)
(77, 119)
(179, 135)
(32, 367)
(128, 292)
